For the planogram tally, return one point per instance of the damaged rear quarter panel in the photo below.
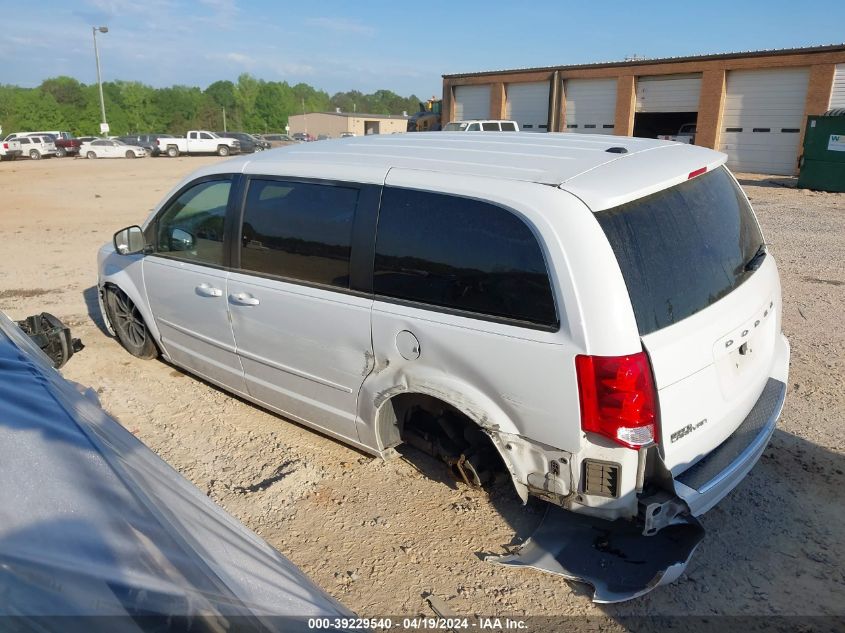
(510, 381)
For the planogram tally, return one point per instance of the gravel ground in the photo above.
(378, 535)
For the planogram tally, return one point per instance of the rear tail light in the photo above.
(618, 399)
(5, 146)
(697, 172)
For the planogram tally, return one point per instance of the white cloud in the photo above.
(341, 25)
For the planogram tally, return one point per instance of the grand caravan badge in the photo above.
(683, 432)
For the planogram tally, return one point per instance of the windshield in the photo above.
(684, 248)
(455, 127)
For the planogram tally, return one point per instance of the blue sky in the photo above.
(368, 45)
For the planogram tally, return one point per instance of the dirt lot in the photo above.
(378, 534)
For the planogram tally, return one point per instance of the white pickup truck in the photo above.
(685, 135)
(198, 142)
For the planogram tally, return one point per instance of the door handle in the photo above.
(244, 299)
(205, 290)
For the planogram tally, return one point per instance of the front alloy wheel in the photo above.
(129, 325)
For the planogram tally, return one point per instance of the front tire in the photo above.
(61, 152)
(130, 154)
(223, 150)
(129, 325)
(34, 154)
(91, 155)
(172, 151)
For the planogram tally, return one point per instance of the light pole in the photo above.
(104, 127)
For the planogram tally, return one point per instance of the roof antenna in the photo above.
(617, 150)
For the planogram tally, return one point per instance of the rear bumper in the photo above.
(708, 481)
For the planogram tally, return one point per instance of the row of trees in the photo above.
(254, 105)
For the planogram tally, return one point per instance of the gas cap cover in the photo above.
(408, 345)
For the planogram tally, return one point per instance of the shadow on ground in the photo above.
(92, 305)
(787, 182)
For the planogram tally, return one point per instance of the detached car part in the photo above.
(615, 558)
(52, 336)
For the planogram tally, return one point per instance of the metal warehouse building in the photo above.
(752, 106)
(333, 124)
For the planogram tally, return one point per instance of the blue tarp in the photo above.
(93, 524)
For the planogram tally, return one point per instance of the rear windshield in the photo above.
(684, 248)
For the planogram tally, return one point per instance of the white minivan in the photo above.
(598, 316)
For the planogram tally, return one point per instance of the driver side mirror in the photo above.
(129, 241)
(181, 240)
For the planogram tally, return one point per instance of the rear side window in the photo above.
(490, 126)
(508, 127)
(301, 231)
(462, 254)
(684, 248)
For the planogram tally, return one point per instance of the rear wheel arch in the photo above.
(394, 417)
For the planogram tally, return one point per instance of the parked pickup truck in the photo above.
(198, 142)
(685, 135)
(10, 150)
(66, 143)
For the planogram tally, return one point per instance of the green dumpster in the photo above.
(823, 161)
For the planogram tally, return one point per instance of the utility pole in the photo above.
(104, 127)
(224, 120)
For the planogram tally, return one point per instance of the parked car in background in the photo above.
(112, 148)
(88, 139)
(685, 135)
(66, 143)
(199, 142)
(303, 137)
(481, 126)
(37, 147)
(280, 140)
(347, 134)
(10, 149)
(248, 143)
(147, 141)
(261, 142)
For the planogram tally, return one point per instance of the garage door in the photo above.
(762, 120)
(837, 95)
(472, 102)
(670, 93)
(528, 105)
(590, 105)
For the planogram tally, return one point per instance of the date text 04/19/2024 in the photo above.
(417, 623)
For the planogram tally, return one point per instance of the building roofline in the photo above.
(366, 115)
(824, 48)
